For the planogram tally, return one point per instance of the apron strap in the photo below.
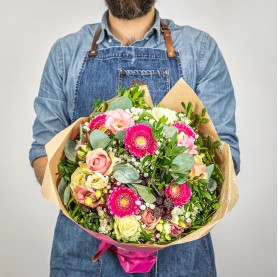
(164, 29)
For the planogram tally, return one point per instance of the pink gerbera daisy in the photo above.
(180, 194)
(185, 128)
(98, 122)
(139, 140)
(123, 202)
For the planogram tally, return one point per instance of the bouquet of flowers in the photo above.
(144, 176)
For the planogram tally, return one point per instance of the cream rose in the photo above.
(158, 112)
(101, 161)
(96, 181)
(77, 178)
(127, 228)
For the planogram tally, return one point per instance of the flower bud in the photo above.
(105, 190)
(98, 194)
(159, 227)
(85, 148)
(102, 200)
(168, 237)
(167, 228)
(81, 155)
(89, 201)
(182, 224)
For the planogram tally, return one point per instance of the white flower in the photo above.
(143, 207)
(138, 217)
(147, 204)
(188, 220)
(146, 174)
(187, 215)
(151, 121)
(152, 206)
(138, 202)
(157, 235)
(158, 112)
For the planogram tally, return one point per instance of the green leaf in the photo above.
(62, 186)
(125, 174)
(206, 194)
(98, 139)
(70, 150)
(182, 163)
(144, 193)
(209, 170)
(216, 144)
(204, 111)
(122, 102)
(120, 135)
(198, 206)
(169, 131)
(216, 206)
(66, 197)
(212, 185)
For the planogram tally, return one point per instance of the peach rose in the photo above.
(118, 120)
(199, 169)
(101, 161)
(149, 220)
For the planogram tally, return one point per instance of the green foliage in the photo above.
(98, 139)
(70, 150)
(66, 168)
(122, 102)
(136, 96)
(144, 193)
(125, 174)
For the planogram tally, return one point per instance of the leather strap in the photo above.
(168, 40)
(93, 51)
(164, 29)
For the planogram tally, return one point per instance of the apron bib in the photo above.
(106, 70)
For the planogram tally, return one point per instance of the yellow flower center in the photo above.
(141, 141)
(175, 190)
(124, 202)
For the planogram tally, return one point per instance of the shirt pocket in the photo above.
(158, 81)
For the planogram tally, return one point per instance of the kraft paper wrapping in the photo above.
(181, 92)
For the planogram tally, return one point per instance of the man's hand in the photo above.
(39, 165)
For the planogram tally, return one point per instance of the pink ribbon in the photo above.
(131, 261)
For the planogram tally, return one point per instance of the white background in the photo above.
(245, 241)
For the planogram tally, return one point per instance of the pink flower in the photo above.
(149, 220)
(123, 202)
(179, 194)
(199, 169)
(99, 160)
(97, 122)
(176, 230)
(185, 128)
(118, 120)
(185, 140)
(83, 196)
(139, 140)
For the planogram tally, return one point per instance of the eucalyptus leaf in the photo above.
(169, 131)
(209, 170)
(144, 193)
(70, 150)
(98, 139)
(212, 185)
(62, 186)
(120, 135)
(122, 102)
(125, 174)
(66, 197)
(182, 163)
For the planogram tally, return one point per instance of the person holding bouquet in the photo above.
(132, 44)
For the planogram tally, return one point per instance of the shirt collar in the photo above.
(156, 29)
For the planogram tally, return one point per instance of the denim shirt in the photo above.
(204, 69)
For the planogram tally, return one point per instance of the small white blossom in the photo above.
(143, 226)
(157, 235)
(138, 202)
(118, 183)
(188, 220)
(146, 174)
(143, 207)
(187, 215)
(147, 204)
(152, 206)
(151, 121)
(138, 217)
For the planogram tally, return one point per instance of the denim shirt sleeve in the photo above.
(215, 88)
(50, 105)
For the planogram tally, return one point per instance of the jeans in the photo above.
(73, 249)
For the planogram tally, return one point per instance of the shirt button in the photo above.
(110, 40)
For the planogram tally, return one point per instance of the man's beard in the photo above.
(129, 9)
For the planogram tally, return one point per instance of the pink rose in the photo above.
(185, 140)
(149, 220)
(118, 120)
(99, 160)
(83, 196)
